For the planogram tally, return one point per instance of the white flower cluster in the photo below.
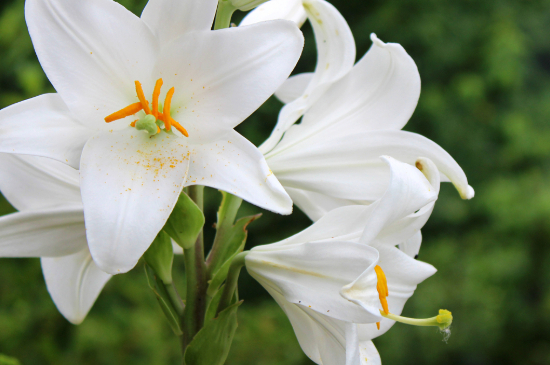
(96, 168)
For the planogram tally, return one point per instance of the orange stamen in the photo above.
(378, 325)
(156, 94)
(141, 98)
(167, 105)
(382, 287)
(133, 124)
(179, 127)
(123, 113)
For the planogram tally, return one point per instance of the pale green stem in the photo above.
(231, 281)
(224, 14)
(195, 271)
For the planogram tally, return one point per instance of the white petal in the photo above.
(381, 92)
(336, 55)
(169, 19)
(74, 283)
(130, 183)
(316, 205)
(369, 354)
(294, 87)
(30, 182)
(348, 163)
(92, 52)
(277, 9)
(411, 247)
(407, 192)
(49, 232)
(43, 126)
(312, 274)
(403, 274)
(221, 77)
(235, 165)
(403, 229)
(353, 355)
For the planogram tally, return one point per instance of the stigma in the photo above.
(154, 118)
(443, 320)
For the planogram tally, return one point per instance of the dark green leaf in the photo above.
(211, 345)
(160, 256)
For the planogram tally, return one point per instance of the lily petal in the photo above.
(411, 247)
(348, 164)
(380, 92)
(235, 165)
(49, 232)
(130, 183)
(407, 192)
(277, 9)
(369, 354)
(43, 126)
(228, 74)
(92, 52)
(312, 274)
(31, 183)
(294, 87)
(336, 55)
(403, 274)
(74, 283)
(316, 205)
(184, 16)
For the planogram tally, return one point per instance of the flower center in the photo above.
(149, 123)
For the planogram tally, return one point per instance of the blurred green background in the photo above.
(485, 68)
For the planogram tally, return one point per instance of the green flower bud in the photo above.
(185, 222)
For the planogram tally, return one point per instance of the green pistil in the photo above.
(443, 320)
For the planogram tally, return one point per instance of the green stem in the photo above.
(224, 14)
(226, 217)
(231, 281)
(195, 271)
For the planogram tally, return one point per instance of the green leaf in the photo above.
(164, 301)
(160, 256)
(185, 222)
(6, 360)
(233, 240)
(211, 345)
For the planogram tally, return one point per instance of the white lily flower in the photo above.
(324, 277)
(50, 225)
(351, 115)
(98, 56)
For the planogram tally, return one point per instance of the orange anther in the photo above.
(158, 129)
(123, 113)
(167, 105)
(156, 94)
(133, 124)
(179, 127)
(378, 325)
(382, 288)
(141, 98)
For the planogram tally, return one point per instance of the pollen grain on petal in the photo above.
(125, 112)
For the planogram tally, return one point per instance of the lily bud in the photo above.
(246, 5)
(160, 256)
(185, 222)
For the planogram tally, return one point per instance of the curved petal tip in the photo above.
(468, 194)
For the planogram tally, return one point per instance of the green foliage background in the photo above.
(485, 68)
